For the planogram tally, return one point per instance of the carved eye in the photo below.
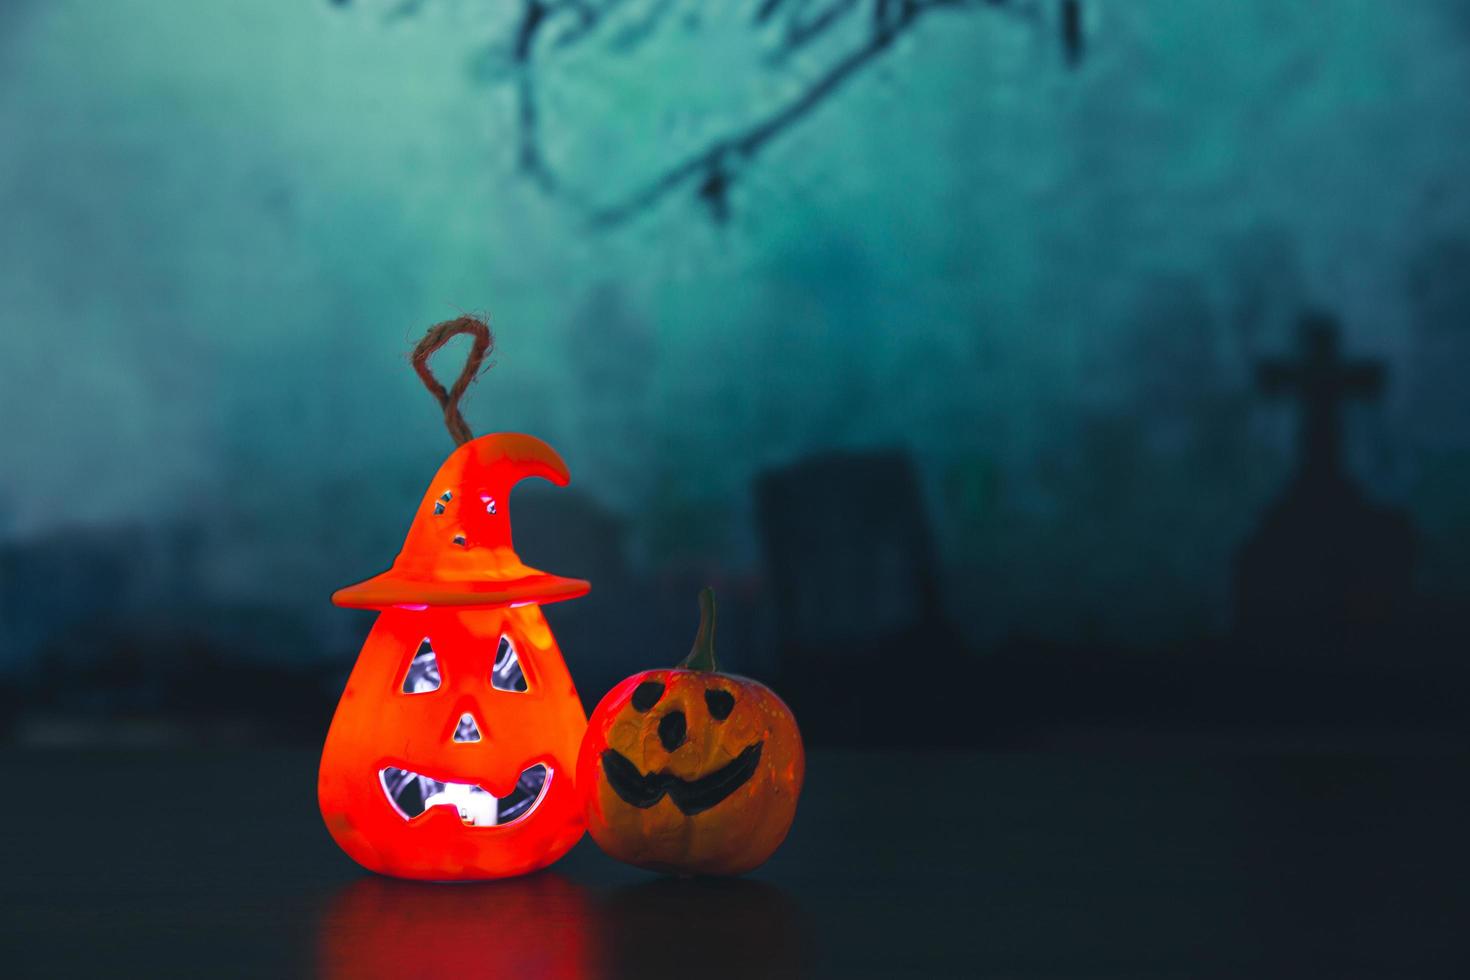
(646, 695)
(507, 674)
(423, 671)
(720, 704)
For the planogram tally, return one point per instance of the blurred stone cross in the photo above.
(1322, 380)
(1327, 570)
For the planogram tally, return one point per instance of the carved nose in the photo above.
(671, 730)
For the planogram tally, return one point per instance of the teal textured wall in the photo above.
(223, 224)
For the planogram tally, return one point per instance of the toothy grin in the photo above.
(411, 794)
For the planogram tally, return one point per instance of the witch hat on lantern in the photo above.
(459, 551)
(452, 752)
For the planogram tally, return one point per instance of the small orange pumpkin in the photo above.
(690, 770)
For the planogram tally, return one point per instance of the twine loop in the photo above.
(439, 335)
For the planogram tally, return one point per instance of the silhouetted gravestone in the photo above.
(852, 573)
(1327, 569)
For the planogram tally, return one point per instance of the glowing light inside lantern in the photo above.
(412, 794)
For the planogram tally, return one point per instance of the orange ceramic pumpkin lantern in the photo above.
(691, 770)
(452, 751)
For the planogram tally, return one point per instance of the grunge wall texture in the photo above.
(222, 226)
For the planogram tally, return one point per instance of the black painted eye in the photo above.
(720, 704)
(646, 695)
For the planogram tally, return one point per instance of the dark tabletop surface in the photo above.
(1203, 861)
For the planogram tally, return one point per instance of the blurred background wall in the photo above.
(932, 334)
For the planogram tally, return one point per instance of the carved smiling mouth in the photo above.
(411, 794)
(690, 796)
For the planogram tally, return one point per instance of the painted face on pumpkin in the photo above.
(690, 769)
(711, 707)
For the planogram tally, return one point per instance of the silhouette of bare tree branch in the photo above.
(544, 27)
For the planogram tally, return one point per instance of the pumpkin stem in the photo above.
(702, 655)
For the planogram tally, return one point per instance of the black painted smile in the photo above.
(690, 796)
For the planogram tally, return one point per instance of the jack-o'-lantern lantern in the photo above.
(451, 754)
(690, 770)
